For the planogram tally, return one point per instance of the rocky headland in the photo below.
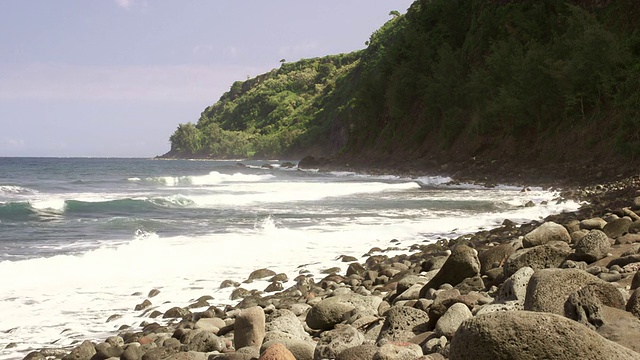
(563, 288)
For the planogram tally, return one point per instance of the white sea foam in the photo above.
(15, 190)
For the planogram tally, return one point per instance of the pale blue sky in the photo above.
(115, 77)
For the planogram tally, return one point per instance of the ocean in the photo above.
(82, 239)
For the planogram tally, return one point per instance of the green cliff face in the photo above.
(546, 80)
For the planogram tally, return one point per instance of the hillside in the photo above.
(520, 83)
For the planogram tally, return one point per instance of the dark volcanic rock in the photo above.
(403, 323)
(592, 247)
(549, 255)
(461, 264)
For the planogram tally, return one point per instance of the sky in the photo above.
(114, 78)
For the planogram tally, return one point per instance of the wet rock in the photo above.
(545, 233)
(84, 351)
(143, 305)
(282, 277)
(160, 353)
(531, 335)
(592, 247)
(153, 293)
(105, 351)
(176, 312)
(249, 327)
(274, 286)
(261, 274)
(239, 293)
(229, 283)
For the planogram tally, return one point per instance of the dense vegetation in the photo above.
(279, 112)
(444, 75)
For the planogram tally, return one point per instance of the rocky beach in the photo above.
(562, 288)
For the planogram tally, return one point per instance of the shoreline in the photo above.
(391, 273)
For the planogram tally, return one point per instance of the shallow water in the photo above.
(78, 237)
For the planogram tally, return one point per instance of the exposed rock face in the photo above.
(547, 232)
(592, 247)
(516, 335)
(249, 327)
(461, 264)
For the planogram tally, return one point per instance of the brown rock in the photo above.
(547, 232)
(461, 264)
(277, 351)
(249, 328)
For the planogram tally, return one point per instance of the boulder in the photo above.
(515, 287)
(596, 223)
(333, 342)
(592, 247)
(143, 305)
(586, 305)
(451, 320)
(402, 324)
(261, 274)
(547, 232)
(206, 341)
(277, 351)
(176, 312)
(398, 351)
(301, 349)
(617, 227)
(635, 282)
(549, 255)
(361, 352)
(210, 324)
(84, 351)
(633, 305)
(519, 335)
(494, 257)
(620, 327)
(286, 321)
(249, 327)
(461, 264)
(189, 355)
(105, 350)
(333, 310)
(549, 289)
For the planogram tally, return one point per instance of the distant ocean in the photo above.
(79, 237)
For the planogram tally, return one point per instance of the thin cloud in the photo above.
(125, 4)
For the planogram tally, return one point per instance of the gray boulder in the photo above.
(596, 223)
(519, 335)
(84, 351)
(206, 341)
(592, 247)
(249, 327)
(617, 227)
(360, 352)
(287, 322)
(333, 310)
(549, 255)
(333, 342)
(494, 257)
(461, 264)
(549, 289)
(402, 324)
(451, 320)
(547, 232)
(398, 351)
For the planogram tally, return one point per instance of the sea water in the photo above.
(83, 239)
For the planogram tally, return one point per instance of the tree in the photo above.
(394, 13)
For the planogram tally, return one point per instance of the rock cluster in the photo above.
(565, 288)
